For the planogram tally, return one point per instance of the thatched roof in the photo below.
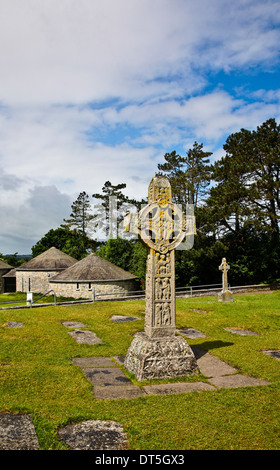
(51, 260)
(92, 268)
(11, 273)
(4, 265)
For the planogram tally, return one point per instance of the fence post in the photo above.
(29, 298)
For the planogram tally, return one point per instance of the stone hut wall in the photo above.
(86, 290)
(34, 281)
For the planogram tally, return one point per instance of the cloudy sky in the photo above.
(95, 90)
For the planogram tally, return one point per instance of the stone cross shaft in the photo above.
(224, 267)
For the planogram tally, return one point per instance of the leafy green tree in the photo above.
(12, 260)
(130, 255)
(66, 240)
(117, 251)
(248, 177)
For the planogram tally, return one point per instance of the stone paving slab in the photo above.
(123, 318)
(179, 387)
(109, 376)
(117, 392)
(14, 324)
(212, 366)
(191, 333)
(237, 380)
(110, 382)
(85, 337)
(272, 352)
(17, 432)
(241, 331)
(74, 324)
(94, 435)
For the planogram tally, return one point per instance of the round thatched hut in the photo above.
(93, 275)
(35, 274)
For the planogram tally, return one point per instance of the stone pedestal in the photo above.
(225, 296)
(159, 358)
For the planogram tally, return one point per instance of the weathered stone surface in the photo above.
(73, 324)
(94, 435)
(226, 294)
(17, 432)
(191, 333)
(117, 392)
(212, 366)
(241, 331)
(159, 358)
(14, 324)
(105, 377)
(86, 337)
(158, 353)
(272, 353)
(236, 380)
(123, 318)
(180, 387)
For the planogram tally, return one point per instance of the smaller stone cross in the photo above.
(224, 267)
(225, 295)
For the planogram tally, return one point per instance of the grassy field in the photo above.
(38, 377)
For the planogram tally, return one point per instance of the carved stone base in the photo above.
(225, 296)
(159, 358)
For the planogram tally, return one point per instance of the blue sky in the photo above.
(93, 91)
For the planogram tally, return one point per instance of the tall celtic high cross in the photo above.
(158, 352)
(161, 229)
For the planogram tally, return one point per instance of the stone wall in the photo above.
(34, 281)
(101, 290)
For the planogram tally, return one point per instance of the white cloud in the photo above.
(94, 91)
(70, 51)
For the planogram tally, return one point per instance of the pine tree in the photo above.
(80, 215)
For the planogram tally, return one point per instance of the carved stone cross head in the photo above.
(224, 266)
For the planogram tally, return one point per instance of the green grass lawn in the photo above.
(38, 377)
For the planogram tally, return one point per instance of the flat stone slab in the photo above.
(94, 362)
(123, 318)
(273, 353)
(109, 381)
(86, 337)
(191, 333)
(73, 324)
(198, 310)
(212, 366)
(237, 380)
(94, 435)
(240, 331)
(14, 324)
(117, 392)
(180, 387)
(105, 377)
(17, 432)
